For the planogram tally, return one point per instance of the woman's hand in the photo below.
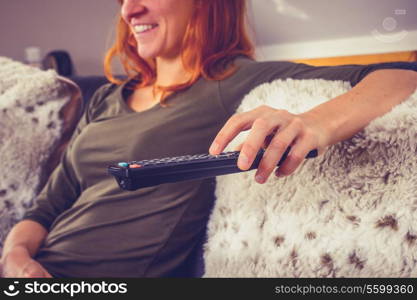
(274, 130)
(18, 264)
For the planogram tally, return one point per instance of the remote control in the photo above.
(145, 173)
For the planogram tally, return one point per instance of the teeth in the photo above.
(143, 28)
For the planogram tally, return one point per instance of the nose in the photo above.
(131, 8)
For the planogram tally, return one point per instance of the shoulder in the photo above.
(249, 74)
(263, 70)
(102, 98)
(101, 93)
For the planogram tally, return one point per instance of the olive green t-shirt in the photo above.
(97, 229)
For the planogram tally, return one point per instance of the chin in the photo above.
(147, 54)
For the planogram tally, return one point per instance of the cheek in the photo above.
(166, 6)
(176, 14)
(176, 10)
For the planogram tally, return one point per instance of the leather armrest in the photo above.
(70, 114)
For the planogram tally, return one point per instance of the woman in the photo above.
(83, 225)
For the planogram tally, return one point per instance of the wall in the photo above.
(292, 29)
(282, 29)
(82, 27)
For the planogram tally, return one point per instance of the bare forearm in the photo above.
(27, 236)
(374, 96)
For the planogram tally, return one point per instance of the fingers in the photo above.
(46, 274)
(274, 130)
(261, 135)
(255, 140)
(34, 270)
(31, 270)
(296, 156)
(273, 153)
(237, 123)
(233, 126)
(262, 121)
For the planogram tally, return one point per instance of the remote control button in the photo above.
(123, 164)
(135, 166)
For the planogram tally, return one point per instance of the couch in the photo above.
(365, 155)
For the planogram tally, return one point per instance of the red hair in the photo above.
(215, 35)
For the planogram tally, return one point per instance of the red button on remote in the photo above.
(135, 166)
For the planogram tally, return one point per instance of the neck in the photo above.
(170, 71)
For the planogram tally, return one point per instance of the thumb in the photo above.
(46, 274)
(33, 273)
(32, 270)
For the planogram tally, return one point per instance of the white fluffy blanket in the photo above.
(351, 212)
(30, 126)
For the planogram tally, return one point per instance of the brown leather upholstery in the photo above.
(70, 114)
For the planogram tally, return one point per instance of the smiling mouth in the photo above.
(138, 29)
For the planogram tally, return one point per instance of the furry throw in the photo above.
(30, 127)
(351, 212)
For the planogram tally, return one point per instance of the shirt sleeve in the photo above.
(62, 188)
(251, 73)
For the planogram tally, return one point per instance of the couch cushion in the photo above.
(348, 213)
(88, 85)
(38, 112)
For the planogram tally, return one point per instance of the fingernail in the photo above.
(214, 147)
(259, 178)
(278, 174)
(243, 160)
